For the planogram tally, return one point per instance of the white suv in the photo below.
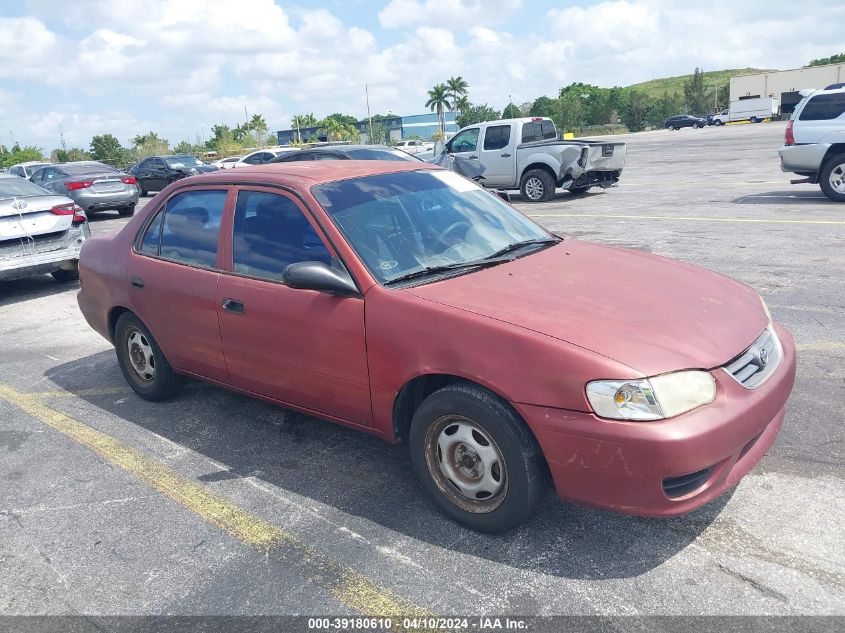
(815, 141)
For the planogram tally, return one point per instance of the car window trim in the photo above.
(162, 207)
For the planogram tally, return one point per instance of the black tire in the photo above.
(63, 276)
(695, 126)
(522, 470)
(126, 211)
(142, 193)
(833, 170)
(164, 382)
(754, 119)
(671, 127)
(537, 185)
(719, 123)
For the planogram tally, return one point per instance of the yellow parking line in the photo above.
(93, 391)
(819, 347)
(680, 218)
(351, 588)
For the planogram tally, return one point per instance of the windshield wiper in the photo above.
(431, 270)
(517, 245)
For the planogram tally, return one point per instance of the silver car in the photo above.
(39, 232)
(25, 170)
(93, 186)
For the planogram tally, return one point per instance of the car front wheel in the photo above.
(142, 362)
(477, 459)
(832, 178)
(537, 186)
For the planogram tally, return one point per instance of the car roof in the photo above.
(331, 148)
(305, 174)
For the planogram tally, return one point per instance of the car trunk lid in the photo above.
(24, 218)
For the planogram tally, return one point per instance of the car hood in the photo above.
(650, 313)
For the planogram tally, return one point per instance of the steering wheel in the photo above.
(441, 237)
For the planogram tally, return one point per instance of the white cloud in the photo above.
(25, 45)
(453, 14)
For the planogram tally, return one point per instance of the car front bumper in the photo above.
(100, 201)
(625, 466)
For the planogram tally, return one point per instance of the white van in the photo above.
(754, 110)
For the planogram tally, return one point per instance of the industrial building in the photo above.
(785, 84)
(398, 128)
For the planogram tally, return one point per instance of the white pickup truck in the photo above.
(526, 154)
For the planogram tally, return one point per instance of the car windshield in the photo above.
(19, 188)
(412, 221)
(178, 162)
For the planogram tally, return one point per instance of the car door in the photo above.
(464, 143)
(300, 347)
(498, 155)
(173, 275)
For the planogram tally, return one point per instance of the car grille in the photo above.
(44, 243)
(756, 364)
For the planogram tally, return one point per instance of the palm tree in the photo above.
(257, 122)
(438, 99)
(461, 104)
(457, 90)
(300, 121)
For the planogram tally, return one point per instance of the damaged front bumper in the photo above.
(41, 254)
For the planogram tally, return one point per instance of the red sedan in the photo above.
(405, 301)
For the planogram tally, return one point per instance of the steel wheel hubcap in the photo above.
(141, 356)
(837, 178)
(534, 188)
(466, 464)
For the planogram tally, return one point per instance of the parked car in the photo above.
(684, 120)
(498, 352)
(92, 185)
(814, 143)
(40, 232)
(414, 146)
(227, 163)
(156, 172)
(25, 170)
(753, 110)
(262, 156)
(526, 154)
(346, 152)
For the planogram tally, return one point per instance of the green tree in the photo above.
(833, 59)
(184, 147)
(569, 115)
(149, 144)
(636, 112)
(543, 106)
(70, 155)
(511, 112)
(664, 107)
(695, 94)
(106, 148)
(19, 154)
(300, 121)
(477, 114)
(335, 129)
(457, 89)
(438, 99)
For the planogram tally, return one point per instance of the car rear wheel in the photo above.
(695, 125)
(671, 127)
(142, 362)
(537, 186)
(127, 211)
(477, 459)
(754, 119)
(832, 178)
(141, 191)
(63, 276)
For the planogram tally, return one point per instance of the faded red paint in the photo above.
(534, 331)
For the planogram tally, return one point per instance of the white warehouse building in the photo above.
(785, 84)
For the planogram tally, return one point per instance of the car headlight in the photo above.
(653, 398)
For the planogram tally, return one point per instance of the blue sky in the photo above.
(179, 66)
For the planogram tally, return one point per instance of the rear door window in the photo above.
(824, 107)
(191, 226)
(270, 232)
(497, 137)
(529, 133)
(547, 130)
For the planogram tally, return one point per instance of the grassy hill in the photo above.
(657, 87)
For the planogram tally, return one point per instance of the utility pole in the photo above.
(62, 138)
(370, 118)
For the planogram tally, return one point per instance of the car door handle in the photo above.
(472, 156)
(137, 282)
(233, 305)
(505, 155)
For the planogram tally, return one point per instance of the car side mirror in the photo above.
(319, 276)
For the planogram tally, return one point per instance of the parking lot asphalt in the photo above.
(213, 503)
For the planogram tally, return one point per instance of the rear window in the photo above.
(379, 154)
(18, 187)
(538, 131)
(824, 107)
(87, 168)
(497, 137)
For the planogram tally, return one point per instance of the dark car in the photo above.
(92, 185)
(407, 302)
(156, 172)
(684, 120)
(348, 152)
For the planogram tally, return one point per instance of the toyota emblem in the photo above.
(19, 204)
(764, 356)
